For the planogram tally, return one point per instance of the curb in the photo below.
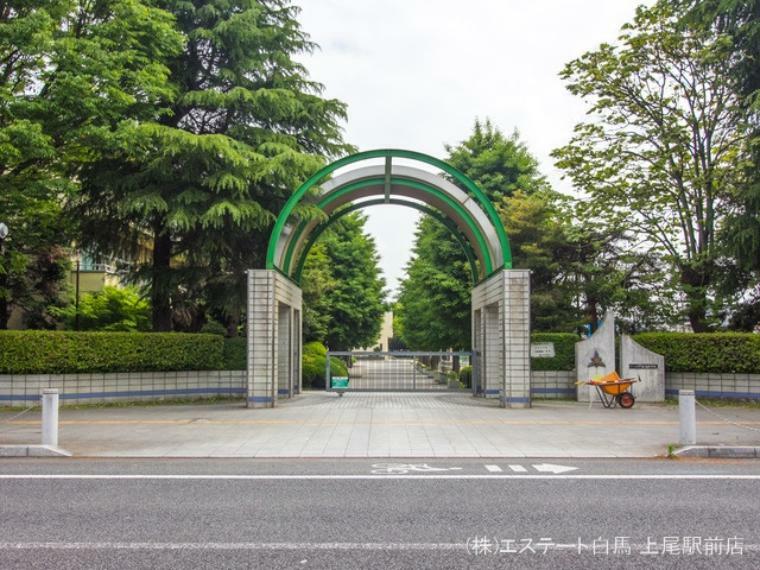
(736, 452)
(32, 451)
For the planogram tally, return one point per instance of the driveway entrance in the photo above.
(398, 371)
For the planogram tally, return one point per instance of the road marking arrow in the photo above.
(518, 468)
(551, 468)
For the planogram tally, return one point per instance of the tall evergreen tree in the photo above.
(244, 127)
(435, 295)
(344, 297)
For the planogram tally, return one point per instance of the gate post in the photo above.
(502, 303)
(268, 293)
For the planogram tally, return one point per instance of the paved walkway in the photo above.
(379, 425)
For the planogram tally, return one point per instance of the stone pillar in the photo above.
(273, 300)
(516, 325)
(595, 356)
(261, 334)
(502, 305)
(645, 365)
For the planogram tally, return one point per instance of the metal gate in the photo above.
(398, 371)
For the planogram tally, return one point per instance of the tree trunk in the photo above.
(695, 281)
(3, 314)
(161, 286)
(232, 326)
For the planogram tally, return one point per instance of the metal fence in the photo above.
(399, 371)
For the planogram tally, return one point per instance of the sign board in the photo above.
(643, 366)
(542, 350)
(339, 382)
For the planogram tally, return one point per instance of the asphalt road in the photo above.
(369, 513)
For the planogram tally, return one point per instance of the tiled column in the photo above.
(515, 316)
(262, 338)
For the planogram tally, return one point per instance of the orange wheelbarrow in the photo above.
(614, 390)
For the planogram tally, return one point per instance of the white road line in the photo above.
(230, 546)
(619, 477)
(301, 546)
(518, 468)
(493, 468)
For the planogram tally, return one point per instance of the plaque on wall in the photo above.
(542, 350)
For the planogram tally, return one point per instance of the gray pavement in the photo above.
(381, 425)
(453, 513)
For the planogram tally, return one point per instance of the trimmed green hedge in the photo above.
(564, 351)
(708, 352)
(234, 353)
(59, 352)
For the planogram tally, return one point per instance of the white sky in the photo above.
(416, 73)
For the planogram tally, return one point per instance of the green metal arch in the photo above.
(451, 226)
(479, 196)
(355, 186)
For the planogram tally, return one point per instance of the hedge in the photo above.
(705, 352)
(564, 351)
(59, 352)
(234, 353)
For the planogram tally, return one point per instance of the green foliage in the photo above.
(314, 363)
(71, 74)
(715, 352)
(234, 353)
(564, 351)
(646, 159)
(112, 309)
(343, 284)
(55, 352)
(214, 327)
(434, 303)
(244, 126)
(465, 376)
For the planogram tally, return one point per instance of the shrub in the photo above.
(214, 327)
(465, 376)
(59, 352)
(234, 353)
(705, 352)
(314, 363)
(564, 351)
(112, 309)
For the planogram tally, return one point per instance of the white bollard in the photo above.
(50, 417)
(687, 416)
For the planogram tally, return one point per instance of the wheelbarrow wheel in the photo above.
(626, 400)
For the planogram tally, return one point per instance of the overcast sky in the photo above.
(416, 73)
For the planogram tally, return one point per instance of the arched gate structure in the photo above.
(500, 296)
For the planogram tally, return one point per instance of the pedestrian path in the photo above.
(380, 425)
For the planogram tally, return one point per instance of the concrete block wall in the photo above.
(714, 385)
(553, 384)
(22, 390)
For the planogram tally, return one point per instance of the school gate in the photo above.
(500, 298)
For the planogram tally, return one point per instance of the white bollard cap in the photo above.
(686, 392)
(50, 390)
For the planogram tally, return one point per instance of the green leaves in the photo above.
(658, 153)
(344, 300)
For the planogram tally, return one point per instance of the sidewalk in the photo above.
(379, 425)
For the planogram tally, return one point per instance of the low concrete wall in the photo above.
(23, 390)
(561, 384)
(553, 384)
(714, 385)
